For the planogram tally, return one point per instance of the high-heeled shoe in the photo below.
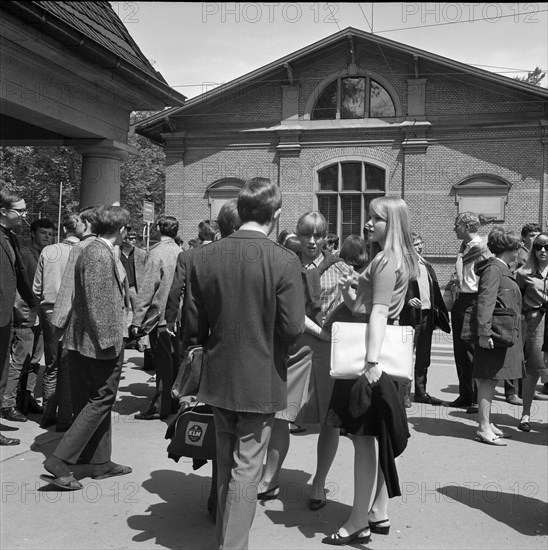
(379, 529)
(335, 539)
(271, 494)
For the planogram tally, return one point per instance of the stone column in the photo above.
(101, 173)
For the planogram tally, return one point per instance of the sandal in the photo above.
(116, 470)
(271, 494)
(70, 483)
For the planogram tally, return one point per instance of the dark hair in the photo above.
(70, 221)
(193, 243)
(7, 198)
(89, 215)
(530, 227)
(500, 240)
(110, 219)
(332, 239)
(205, 232)
(178, 240)
(168, 226)
(294, 244)
(470, 219)
(353, 252)
(415, 236)
(41, 222)
(228, 218)
(258, 201)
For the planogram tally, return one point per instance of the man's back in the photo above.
(247, 307)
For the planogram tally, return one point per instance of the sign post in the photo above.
(148, 218)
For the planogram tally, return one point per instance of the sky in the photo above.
(198, 45)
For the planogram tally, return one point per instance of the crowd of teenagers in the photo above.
(263, 310)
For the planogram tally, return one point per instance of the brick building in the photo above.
(355, 116)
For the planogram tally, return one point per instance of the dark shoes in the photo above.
(514, 400)
(11, 413)
(380, 527)
(362, 536)
(472, 409)
(538, 396)
(524, 424)
(9, 440)
(460, 402)
(271, 494)
(149, 415)
(428, 399)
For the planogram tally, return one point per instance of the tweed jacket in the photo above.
(65, 296)
(158, 276)
(13, 276)
(246, 307)
(97, 325)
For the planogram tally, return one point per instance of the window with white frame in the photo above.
(354, 97)
(344, 191)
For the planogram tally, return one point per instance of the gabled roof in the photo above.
(94, 30)
(350, 32)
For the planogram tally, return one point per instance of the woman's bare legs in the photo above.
(328, 443)
(366, 468)
(275, 455)
(486, 391)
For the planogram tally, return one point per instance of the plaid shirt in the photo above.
(329, 281)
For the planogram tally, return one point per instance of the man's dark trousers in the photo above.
(464, 352)
(94, 385)
(166, 365)
(423, 351)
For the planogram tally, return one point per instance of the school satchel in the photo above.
(190, 373)
(348, 351)
(504, 325)
(192, 434)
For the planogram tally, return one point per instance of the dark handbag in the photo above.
(504, 326)
(192, 434)
(190, 373)
(441, 320)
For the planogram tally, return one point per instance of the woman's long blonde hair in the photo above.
(397, 239)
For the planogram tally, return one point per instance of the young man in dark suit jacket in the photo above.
(95, 340)
(13, 277)
(246, 307)
(422, 299)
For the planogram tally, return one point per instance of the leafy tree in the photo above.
(533, 77)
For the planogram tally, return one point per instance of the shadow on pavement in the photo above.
(520, 510)
(181, 521)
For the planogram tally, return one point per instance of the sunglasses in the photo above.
(538, 247)
(20, 211)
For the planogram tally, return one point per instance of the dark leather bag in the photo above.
(192, 434)
(504, 326)
(441, 320)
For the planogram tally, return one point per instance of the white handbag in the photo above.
(348, 351)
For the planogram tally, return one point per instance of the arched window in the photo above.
(344, 191)
(354, 97)
(220, 192)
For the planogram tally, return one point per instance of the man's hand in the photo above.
(486, 342)
(171, 328)
(133, 331)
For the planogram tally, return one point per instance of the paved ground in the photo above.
(457, 493)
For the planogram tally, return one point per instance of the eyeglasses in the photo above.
(418, 243)
(20, 211)
(538, 247)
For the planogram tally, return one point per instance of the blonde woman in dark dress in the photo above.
(369, 409)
